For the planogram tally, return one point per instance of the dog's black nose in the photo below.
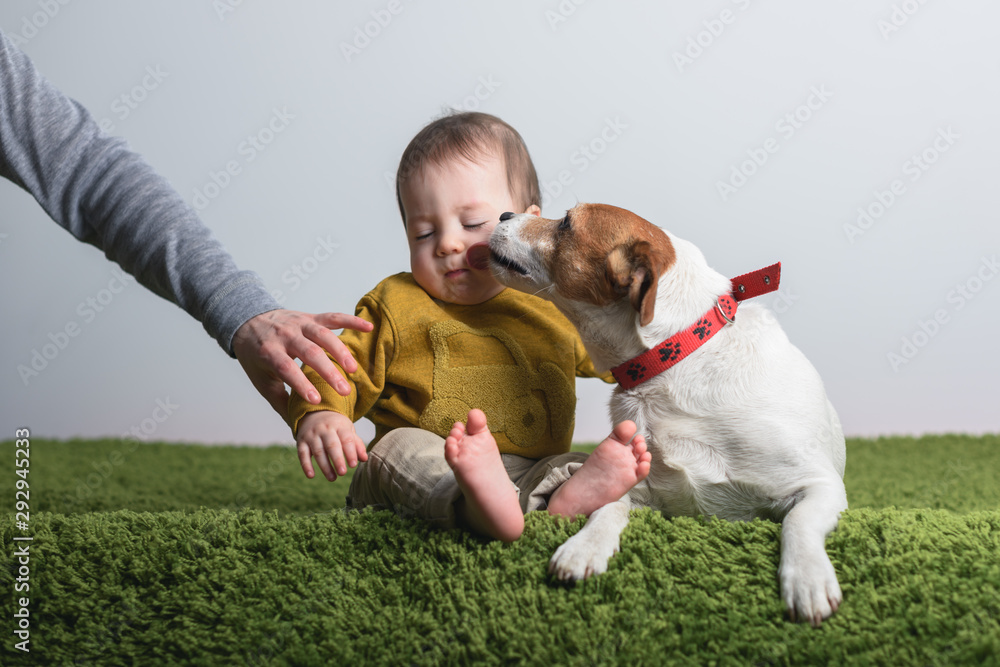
(506, 216)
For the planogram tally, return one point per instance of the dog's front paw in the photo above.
(810, 589)
(581, 558)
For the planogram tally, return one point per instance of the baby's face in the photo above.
(449, 207)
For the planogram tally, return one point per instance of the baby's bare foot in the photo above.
(489, 505)
(618, 464)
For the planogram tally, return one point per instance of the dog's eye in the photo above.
(564, 224)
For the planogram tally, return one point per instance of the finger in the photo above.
(322, 460)
(306, 460)
(362, 450)
(477, 421)
(343, 321)
(350, 449)
(330, 342)
(289, 372)
(335, 453)
(314, 357)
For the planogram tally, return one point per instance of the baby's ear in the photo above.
(533, 210)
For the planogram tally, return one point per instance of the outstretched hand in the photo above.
(330, 438)
(268, 344)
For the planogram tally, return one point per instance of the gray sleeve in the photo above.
(108, 196)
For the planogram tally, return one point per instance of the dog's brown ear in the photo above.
(645, 277)
(635, 269)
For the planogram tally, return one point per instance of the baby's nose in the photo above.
(506, 216)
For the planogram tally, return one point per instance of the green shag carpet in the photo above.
(177, 554)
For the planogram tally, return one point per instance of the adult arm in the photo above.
(108, 196)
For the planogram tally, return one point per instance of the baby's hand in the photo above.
(330, 437)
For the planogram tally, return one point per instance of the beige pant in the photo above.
(406, 472)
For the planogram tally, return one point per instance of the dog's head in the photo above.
(598, 255)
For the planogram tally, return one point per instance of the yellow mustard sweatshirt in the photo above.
(427, 363)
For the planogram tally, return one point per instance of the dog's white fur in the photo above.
(741, 428)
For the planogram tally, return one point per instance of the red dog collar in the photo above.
(657, 359)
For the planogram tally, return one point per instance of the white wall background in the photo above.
(894, 73)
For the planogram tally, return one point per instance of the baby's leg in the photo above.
(489, 504)
(406, 472)
(618, 464)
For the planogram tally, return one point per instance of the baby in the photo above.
(470, 385)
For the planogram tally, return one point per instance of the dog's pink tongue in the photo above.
(478, 256)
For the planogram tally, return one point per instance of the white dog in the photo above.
(735, 416)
